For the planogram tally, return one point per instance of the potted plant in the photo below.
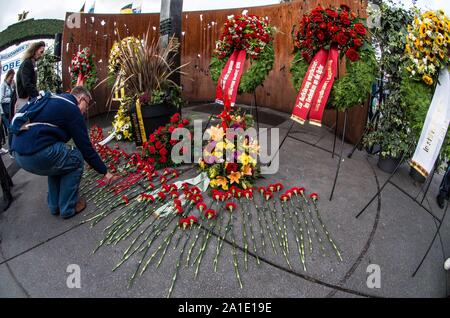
(146, 71)
(392, 134)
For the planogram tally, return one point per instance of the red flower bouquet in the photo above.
(158, 148)
(82, 69)
(323, 28)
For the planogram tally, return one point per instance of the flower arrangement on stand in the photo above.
(82, 69)
(254, 35)
(427, 54)
(115, 61)
(326, 30)
(427, 46)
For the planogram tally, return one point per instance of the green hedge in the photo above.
(29, 30)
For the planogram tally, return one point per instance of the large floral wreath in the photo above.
(427, 52)
(337, 27)
(252, 34)
(82, 69)
(428, 46)
(114, 65)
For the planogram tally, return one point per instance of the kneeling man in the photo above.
(40, 148)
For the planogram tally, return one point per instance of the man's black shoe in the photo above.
(440, 201)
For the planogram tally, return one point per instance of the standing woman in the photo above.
(26, 76)
(5, 182)
(6, 91)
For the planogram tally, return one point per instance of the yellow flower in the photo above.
(216, 133)
(427, 79)
(213, 183)
(222, 181)
(440, 25)
(234, 177)
(447, 38)
(440, 40)
(417, 43)
(423, 30)
(230, 146)
(220, 146)
(442, 54)
(247, 170)
(408, 49)
(201, 164)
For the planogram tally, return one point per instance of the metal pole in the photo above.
(340, 156)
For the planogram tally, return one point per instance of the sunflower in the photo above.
(423, 30)
(417, 43)
(440, 25)
(447, 38)
(440, 40)
(427, 79)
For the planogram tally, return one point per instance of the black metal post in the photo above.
(384, 185)
(335, 132)
(256, 110)
(342, 149)
(432, 242)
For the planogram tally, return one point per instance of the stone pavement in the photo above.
(36, 248)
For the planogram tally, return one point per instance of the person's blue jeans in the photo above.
(64, 168)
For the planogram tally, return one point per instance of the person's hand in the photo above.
(109, 177)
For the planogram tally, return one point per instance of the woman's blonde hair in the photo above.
(31, 51)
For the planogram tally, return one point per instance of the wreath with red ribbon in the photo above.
(82, 69)
(341, 29)
(252, 34)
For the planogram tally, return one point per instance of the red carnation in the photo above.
(152, 138)
(184, 223)
(353, 34)
(125, 199)
(185, 122)
(268, 195)
(360, 29)
(179, 209)
(192, 219)
(177, 202)
(210, 214)
(314, 196)
(231, 206)
(162, 196)
(201, 206)
(352, 55)
(163, 160)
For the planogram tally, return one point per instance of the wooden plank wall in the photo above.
(200, 31)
